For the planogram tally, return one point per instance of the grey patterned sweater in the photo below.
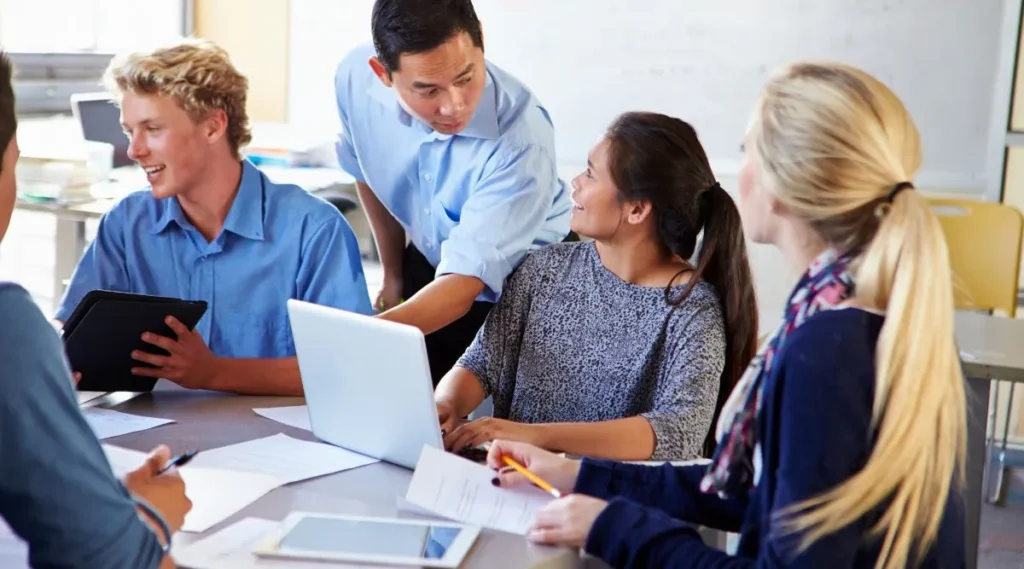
(570, 341)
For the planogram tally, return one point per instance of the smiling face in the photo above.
(165, 142)
(440, 87)
(598, 211)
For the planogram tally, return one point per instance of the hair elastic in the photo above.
(897, 189)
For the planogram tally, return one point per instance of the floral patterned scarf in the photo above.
(736, 465)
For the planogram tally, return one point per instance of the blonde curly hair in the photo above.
(196, 73)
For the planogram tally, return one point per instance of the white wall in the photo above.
(705, 62)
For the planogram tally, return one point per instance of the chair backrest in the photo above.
(984, 241)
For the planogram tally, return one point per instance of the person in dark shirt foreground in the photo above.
(57, 490)
(843, 444)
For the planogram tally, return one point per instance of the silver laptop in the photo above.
(367, 383)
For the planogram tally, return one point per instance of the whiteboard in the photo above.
(703, 61)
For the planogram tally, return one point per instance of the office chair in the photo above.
(984, 241)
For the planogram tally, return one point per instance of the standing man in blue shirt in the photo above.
(57, 490)
(213, 227)
(452, 152)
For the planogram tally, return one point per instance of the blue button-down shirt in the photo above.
(278, 242)
(473, 203)
(57, 492)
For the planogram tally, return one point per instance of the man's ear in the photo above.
(638, 212)
(215, 125)
(380, 71)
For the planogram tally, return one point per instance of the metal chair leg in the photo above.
(990, 437)
(999, 496)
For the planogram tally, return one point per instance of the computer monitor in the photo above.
(100, 120)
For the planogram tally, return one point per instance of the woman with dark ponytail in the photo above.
(624, 346)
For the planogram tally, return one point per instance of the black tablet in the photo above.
(107, 326)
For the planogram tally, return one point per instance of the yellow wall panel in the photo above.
(256, 36)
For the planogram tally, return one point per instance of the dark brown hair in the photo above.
(8, 120)
(659, 159)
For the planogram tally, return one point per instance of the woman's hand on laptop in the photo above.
(487, 429)
(446, 416)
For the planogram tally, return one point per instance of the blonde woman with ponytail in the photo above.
(843, 443)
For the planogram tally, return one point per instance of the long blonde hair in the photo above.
(833, 142)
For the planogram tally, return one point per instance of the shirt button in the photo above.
(426, 177)
(426, 211)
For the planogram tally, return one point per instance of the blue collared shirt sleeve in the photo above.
(57, 490)
(343, 147)
(331, 271)
(102, 266)
(498, 222)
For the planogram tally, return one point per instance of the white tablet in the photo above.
(330, 537)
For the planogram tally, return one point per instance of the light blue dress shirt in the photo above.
(473, 203)
(278, 242)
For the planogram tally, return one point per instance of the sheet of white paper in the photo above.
(283, 457)
(461, 490)
(403, 505)
(107, 423)
(87, 396)
(297, 416)
(215, 494)
(231, 547)
(13, 550)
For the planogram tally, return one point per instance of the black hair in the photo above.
(402, 27)
(8, 119)
(659, 159)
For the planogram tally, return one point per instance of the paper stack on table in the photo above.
(216, 494)
(107, 423)
(283, 457)
(461, 490)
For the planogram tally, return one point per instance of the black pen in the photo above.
(180, 460)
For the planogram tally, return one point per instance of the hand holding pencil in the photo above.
(521, 463)
(568, 519)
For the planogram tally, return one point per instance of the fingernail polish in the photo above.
(496, 481)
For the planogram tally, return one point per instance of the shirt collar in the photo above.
(245, 218)
(483, 125)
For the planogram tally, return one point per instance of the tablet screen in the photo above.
(370, 538)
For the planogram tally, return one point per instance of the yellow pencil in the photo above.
(532, 477)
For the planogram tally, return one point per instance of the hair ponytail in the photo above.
(722, 262)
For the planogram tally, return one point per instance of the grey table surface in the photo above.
(991, 347)
(206, 420)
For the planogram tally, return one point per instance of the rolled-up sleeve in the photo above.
(687, 388)
(102, 266)
(502, 217)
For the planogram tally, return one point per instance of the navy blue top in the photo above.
(57, 490)
(815, 432)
